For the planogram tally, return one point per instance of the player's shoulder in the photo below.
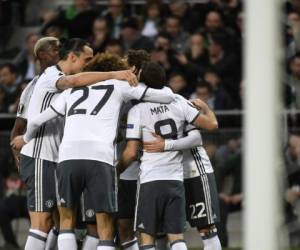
(52, 70)
(115, 82)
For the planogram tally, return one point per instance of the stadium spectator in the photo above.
(179, 38)
(25, 59)
(114, 16)
(131, 36)
(12, 206)
(152, 18)
(100, 37)
(164, 54)
(187, 16)
(8, 86)
(178, 83)
(77, 19)
(115, 47)
(224, 63)
(230, 200)
(294, 79)
(292, 163)
(214, 97)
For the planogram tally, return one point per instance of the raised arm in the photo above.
(88, 78)
(207, 120)
(193, 139)
(164, 95)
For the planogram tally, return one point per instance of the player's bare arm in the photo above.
(19, 141)
(129, 155)
(89, 78)
(18, 129)
(207, 120)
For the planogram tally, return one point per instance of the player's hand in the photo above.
(126, 75)
(158, 145)
(17, 143)
(236, 199)
(199, 104)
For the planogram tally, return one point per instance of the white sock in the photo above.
(162, 243)
(106, 245)
(212, 243)
(90, 242)
(147, 247)
(36, 240)
(51, 242)
(66, 241)
(131, 245)
(178, 245)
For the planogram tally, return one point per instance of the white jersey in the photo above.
(167, 120)
(46, 142)
(132, 172)
(195, 160)
(92, 115)
(25, 99)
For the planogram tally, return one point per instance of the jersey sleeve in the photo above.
(59, 106)
(23, 104)
(35, 123)
(133, 130)
(51, 78)
(131, 93)
(25, 99)
(189, 111)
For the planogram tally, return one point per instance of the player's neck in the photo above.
(65, 67)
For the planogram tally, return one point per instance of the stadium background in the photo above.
(199, 43)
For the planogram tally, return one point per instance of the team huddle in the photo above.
(105, 142)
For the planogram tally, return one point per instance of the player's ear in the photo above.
(72, 57)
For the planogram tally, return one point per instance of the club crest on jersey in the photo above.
(130, 126)
(159, 110)
(90, 213)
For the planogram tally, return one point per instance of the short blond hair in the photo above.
(43, 43)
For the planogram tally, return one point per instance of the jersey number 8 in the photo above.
(168, 122)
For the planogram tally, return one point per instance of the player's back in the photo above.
(167, 120)
(47, 139)
(92, 115)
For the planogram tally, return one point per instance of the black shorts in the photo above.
(160, 207)
(202, 205)
(39, 177)
(98, 178)
(126, 199)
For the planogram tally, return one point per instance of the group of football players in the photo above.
(101, 139)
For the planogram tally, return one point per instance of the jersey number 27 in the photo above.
(85, 94)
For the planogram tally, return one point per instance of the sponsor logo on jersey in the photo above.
(89, 213)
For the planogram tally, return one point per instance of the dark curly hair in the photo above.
(137, 58)
(105, 62)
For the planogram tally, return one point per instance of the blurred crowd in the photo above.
(199, 45)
